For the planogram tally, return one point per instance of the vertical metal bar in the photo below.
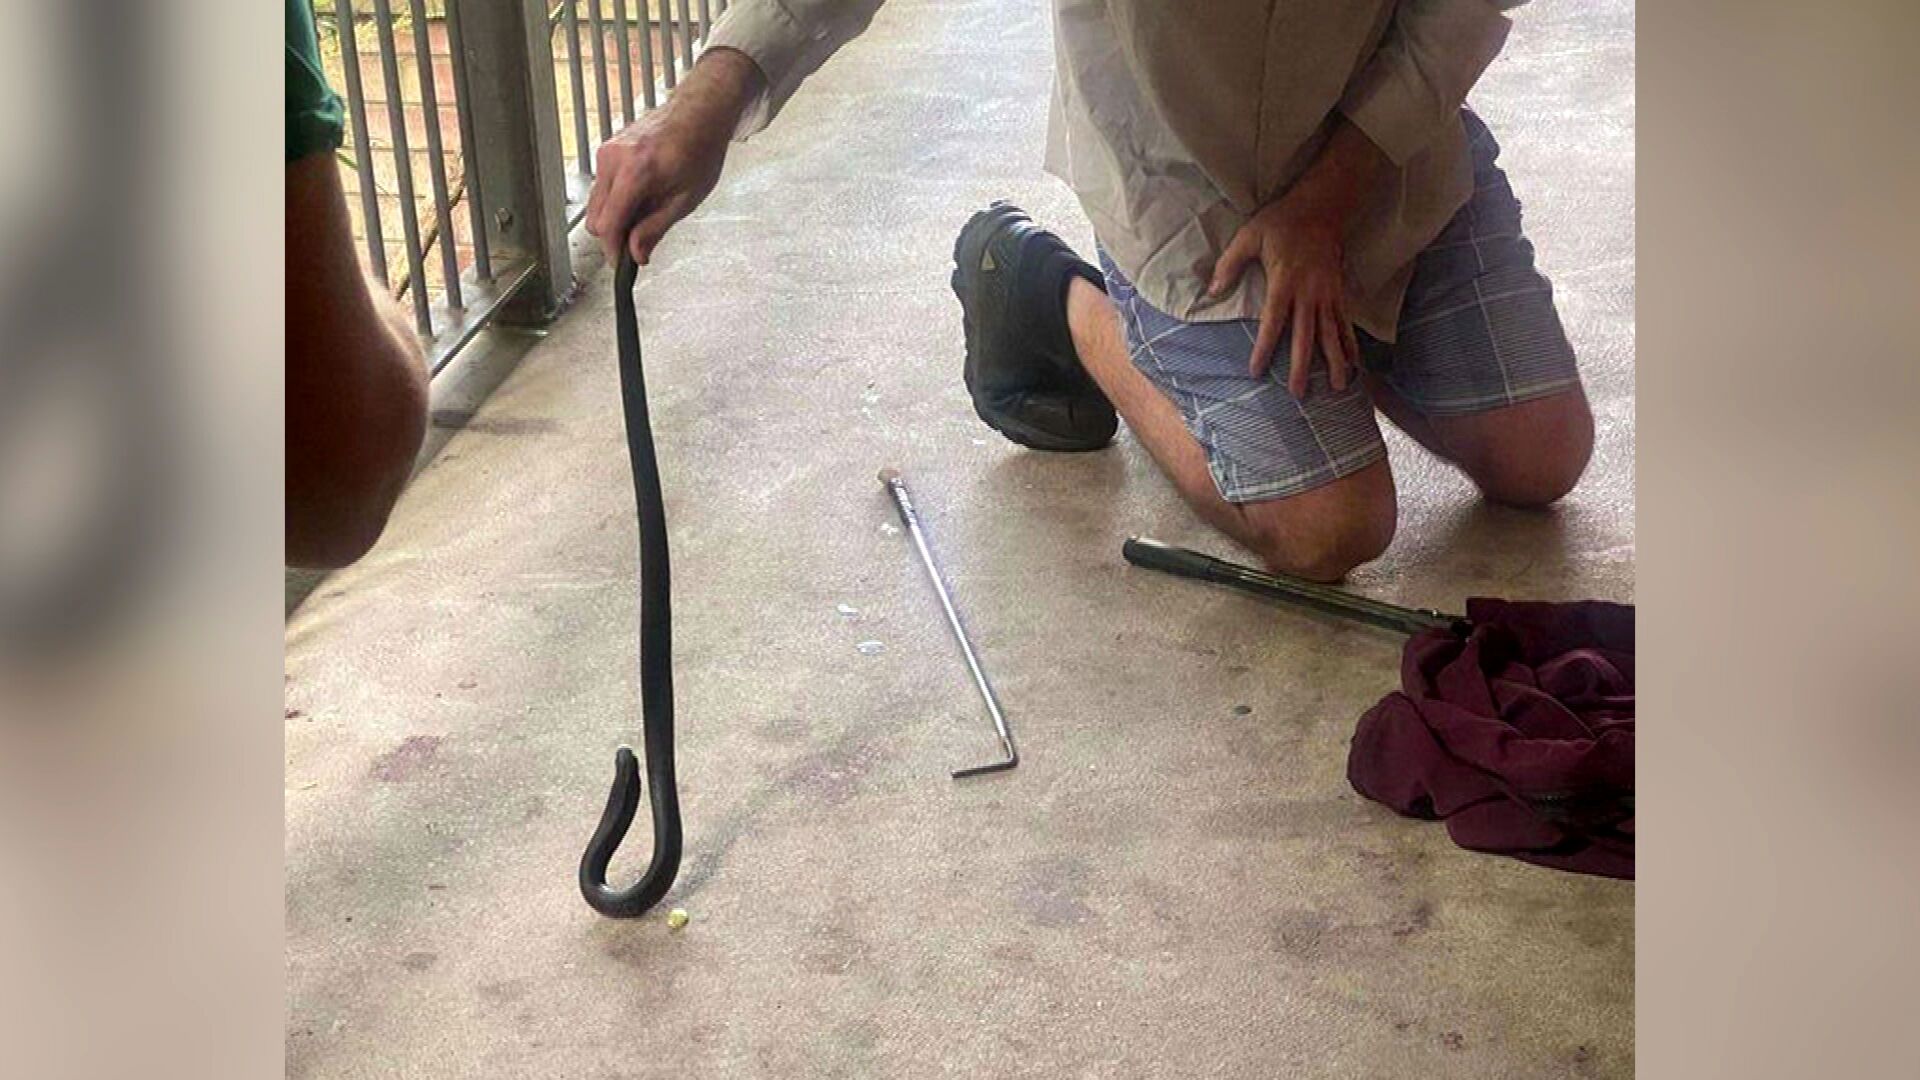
(519, 154)
(668, 62)
(403, 166)
(436, 152)
(686, 36)
(469, 175)
(595, 24)
(582, 150)
(626, 60)
(346, 24)
(646, 53)
(903, 502)
(706, 18)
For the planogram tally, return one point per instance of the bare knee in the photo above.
(1325, 550)
(1531, 485)
(1536, 459)
(1323, 538)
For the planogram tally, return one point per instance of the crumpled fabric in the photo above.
(1518, 735)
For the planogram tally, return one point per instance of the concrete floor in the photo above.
(1170, 885)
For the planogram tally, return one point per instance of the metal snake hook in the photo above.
(1009, 756)
(656, 658)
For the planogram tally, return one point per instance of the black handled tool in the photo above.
(1181, 562)
(656, 657)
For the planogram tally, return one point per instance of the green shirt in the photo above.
(316, 119)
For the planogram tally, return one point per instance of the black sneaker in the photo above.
(1011, 277)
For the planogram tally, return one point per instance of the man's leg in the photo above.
(1304, 484)
(1526, 455)
(1320, 533)
(1483, 375)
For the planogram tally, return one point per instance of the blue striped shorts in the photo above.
(1478, 331)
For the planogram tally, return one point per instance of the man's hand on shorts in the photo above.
(659, 170)
(1304, 261)
(1297, 239)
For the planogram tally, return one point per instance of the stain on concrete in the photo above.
(1012, 956)
(1313, 935)
(1599, 929)
(495, 425)
(832, 950)
(1264, 819)
(1394, 872)
(419, 961)
(1054, 893)
(783, 728)
(505, 992)
(833, 773)
(1453, 1040)
(414, 753)
(1301, 934)
(854, 1049)
(1417, 920)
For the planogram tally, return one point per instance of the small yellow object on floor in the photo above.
(677, 918)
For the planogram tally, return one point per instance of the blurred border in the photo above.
(1779, 434)
(140, 733)
(140, 844)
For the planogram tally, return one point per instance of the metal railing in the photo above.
(619, 58)
(463, 171)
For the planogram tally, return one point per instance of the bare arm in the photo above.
(658, 170)
(664, 165)
(356, 382)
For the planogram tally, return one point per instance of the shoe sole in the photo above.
(967, 250)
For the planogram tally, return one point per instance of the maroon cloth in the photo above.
(1519, 735)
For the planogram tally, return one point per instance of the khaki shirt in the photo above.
(1175, 123)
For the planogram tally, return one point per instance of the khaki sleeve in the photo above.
(789, 40)
(1432, 54)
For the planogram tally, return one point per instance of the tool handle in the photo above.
(1180, 562)
(902, 502)
(1154, 555)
